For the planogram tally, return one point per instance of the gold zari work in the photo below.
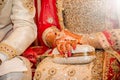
(8, 50)
(29, 4)
(85, 16)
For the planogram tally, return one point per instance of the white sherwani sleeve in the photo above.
(24, 30)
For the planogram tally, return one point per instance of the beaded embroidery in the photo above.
(8, 50)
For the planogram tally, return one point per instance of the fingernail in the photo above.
(74, 47)
(61, 53)
(69, 54)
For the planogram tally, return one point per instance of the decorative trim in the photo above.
(8, 50)
(106, 46)
(108, 35)
(104, 76)
(103, 41)
(59, 5)
(46, 32)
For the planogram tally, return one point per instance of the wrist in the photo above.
(84, 39)
(49, 36)
(91, 39)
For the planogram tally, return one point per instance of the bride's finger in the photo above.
(68, 48)
(73, 44)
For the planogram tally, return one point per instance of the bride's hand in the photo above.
(66, 41)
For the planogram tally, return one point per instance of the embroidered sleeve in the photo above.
(113, 37)
(24, 29)
(47, 19)
(108, 40)
(7, 50)
(99, 40)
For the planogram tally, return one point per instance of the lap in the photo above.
(18, 68)
(99, 69)
(48, 70)
(12, 76)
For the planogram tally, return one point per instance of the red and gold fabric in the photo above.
(104, 67)
(47, 18)
(86, 18)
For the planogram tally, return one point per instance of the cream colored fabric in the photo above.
(17, 16)
(13, 76)
(48, 70)
(16, 69)
(28, 73)
(13, 65)
(3, 57)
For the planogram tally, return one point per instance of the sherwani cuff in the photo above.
(7, 50)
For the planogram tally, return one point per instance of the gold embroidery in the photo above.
(111, 67)
(59, 5)
(114, 37)
(71, 72)
(52, 71)
(29, 4)
(82, 16)
(48, 78)
(44, 69)
(2, 3)
(37, 75)
(97, 68)
(8, 50)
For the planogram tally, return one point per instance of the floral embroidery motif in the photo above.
(71, 72)
(113, 68)
(52, 71)
(38, 75)
(29, 4)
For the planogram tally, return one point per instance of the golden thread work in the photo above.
(8, 50)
